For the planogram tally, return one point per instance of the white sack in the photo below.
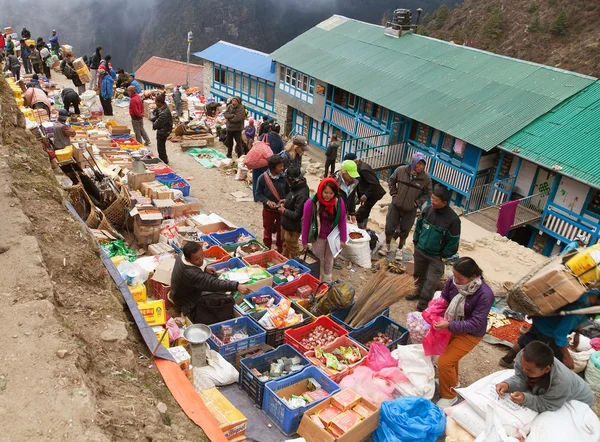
(419, 370)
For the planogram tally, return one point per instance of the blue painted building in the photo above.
(231, 70)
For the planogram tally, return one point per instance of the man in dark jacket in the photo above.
(410, 187)
(70, 98)
(68, 70)
(347, 179)
(271, 190)
(436, 238)
(331, 155)
(162, 123)
(369, 190)
(25, 54)
(264, 126)
(25, 34)
(235, 114)
(13, 65)
(291, 212)
(199, 293)
(36, 60)
(94, 64)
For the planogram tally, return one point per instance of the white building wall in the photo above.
(525, 177)
(571, 194)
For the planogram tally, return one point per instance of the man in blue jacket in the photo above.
(133, 82)
(436, 238)
(106, 91)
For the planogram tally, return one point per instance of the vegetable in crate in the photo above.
(382, 338)
(319, 337)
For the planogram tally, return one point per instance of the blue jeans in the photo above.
(255, 174)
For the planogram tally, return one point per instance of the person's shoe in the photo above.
(399, 255)
(412, 297)
(327, 278)
(446, 403)
(147, 143)
(383, 251)
(506, 364)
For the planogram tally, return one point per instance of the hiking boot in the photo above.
(384, 250)
(399, 255)
(506, 364)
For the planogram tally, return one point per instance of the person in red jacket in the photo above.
(136, 110)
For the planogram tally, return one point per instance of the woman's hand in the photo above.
(342, 245)
(442, 325)
(305, 247)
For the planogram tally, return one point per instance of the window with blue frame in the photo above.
(297, 84)
(450, 148)
(593, 204)
(254, 90)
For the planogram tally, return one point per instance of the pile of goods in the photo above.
(382, 338)
(340, 358)
(505, 329)
(287, 273)
(282, 316)
(228, 336)
(319, 337)
(244, 275)
(313, 393)
(281, 367)
(355, 235)
(257, 303)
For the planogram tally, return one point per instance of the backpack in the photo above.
(339, 296)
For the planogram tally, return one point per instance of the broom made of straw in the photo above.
(381, 292)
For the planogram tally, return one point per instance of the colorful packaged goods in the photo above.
(281, 316)
(343, 422)
(287, 273)
(328, 414)
(153, 312)
(346, 399)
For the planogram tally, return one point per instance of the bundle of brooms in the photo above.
(381, 292)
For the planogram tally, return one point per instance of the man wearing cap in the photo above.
(347, 179)
(436, 238)
(581, 240)
(62, 131)
(410, 187)
(235, 114)
(369, 190)
(292, 155)
(133, 82)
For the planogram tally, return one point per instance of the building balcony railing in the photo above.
(565, 225)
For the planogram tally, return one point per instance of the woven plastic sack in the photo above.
(339, 296)
(409, 419)
(592, 372)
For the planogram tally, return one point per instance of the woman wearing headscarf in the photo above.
(323, 213)
(469, 302)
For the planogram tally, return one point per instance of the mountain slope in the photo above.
(560, 33)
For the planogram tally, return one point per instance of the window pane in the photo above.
(281, 73)
(270, 94)
(423, 134)
(435, 136)
(261, 91)
(594, 203)
(311, 89)
(245, 87)
(288, 76)
(368, 107)
(384, 115)
(229, 76)
(217, 75)
(377, 111)
(237, 81)
(305, 83)
(294, 74)
(253, 88)
(351, 100)
(448, 143)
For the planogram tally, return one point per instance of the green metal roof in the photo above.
(568, 137)
(476, 96)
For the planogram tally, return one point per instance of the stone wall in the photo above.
(281, 110)
(208, 77)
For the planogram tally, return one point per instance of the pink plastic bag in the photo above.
(436, 341)
(376, 387)
(380, 357)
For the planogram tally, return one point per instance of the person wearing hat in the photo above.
(122, 80)
(347, 179)
(133, 82)
(581, 240)
(136, 112)
(62, 131)
(410, 187)
(271, 190)
(235, 114)
(291, 212)
(331, 155)
(293, 152)
(436, 238)
(53, 39)
(369, 190)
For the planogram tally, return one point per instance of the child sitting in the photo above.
(543, 383)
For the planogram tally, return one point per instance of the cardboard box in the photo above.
(312, 432)
(135, 180)
(146, 216)
(232, 422)
(153, 312)
(138, 292)
(553, 287)
(163, 271)
(146, 235)
(161, 336)
(160, 248)
(216, 227)
(118, 130)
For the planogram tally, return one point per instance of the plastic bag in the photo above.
(574, 421)
(133, 273)
(218, 370)
(380, 357)
(592, 372)
(418, 369)
(409, 419)
(358, 251)
(376, 387)
(456, 433)
(494, 430)
(436, 341)
(417, 327)
(580, 359)
(242, 170)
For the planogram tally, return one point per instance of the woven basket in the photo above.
(80, 200)
(93, 221)
(118, 211)
(518, 300)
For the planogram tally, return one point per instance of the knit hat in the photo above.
(350, 168)
(350, 156)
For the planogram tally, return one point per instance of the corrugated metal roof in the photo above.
(240, 58)
(567, 137)
(163, 71)
(474, 95)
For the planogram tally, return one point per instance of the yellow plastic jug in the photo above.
(586, 264)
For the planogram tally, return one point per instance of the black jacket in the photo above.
(162, 120)
(368, 183)
(263, 128)
(437, 232)
(291, 219)
(95, 60)
(332, 150)
(189, 283)
(70, 95)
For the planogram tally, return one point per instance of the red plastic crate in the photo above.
(344, 341)
(217, 253)
(261, 259)
(162, 170)
(295, 336)
(289, 290)
(161, 291)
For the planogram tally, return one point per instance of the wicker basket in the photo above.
(518, 300)
(118, 211)
(80, 201)
(93, 220)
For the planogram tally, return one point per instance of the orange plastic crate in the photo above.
(295, 336)
(343, 341)
(264, 258)
(289, 290)
(215, 255)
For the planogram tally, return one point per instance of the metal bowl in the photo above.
(197, 333)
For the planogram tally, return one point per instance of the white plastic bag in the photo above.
(592, 372)
(358, 251)
(419, 370)
(581, 358)
(242, 170)
(494, 430)
(218, 370)
(417, 327)
(515, 418)
(574, 421)
(455, 433)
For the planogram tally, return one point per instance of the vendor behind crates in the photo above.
(62, 131)
(199, 294)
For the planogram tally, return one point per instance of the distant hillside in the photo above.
(560, 33)
(264, 25)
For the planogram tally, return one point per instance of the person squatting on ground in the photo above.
(469, 302)
(436, 238)
(291, 212)
(322, 214)
(271, 190)
(410, 187)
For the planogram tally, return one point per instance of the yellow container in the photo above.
(159, 332)
(64, 154)
(30, 42)
(20, 102)
(138, 292)
(153, 312)
(28, 113)
(586, 264)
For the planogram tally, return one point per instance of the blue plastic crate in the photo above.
(292, 262)
(256, 335)
(250, 383)
(262, 291)
(276, 336)
(231, 238)
(287, 419)
(174, 181)
(341, 315)
(381, 324)
(233, 263)
(209, 240)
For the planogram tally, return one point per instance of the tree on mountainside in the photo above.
(559, 25)
(493, 27)
(535, 25)
(440, 16)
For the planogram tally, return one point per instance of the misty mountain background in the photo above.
(132, 31)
